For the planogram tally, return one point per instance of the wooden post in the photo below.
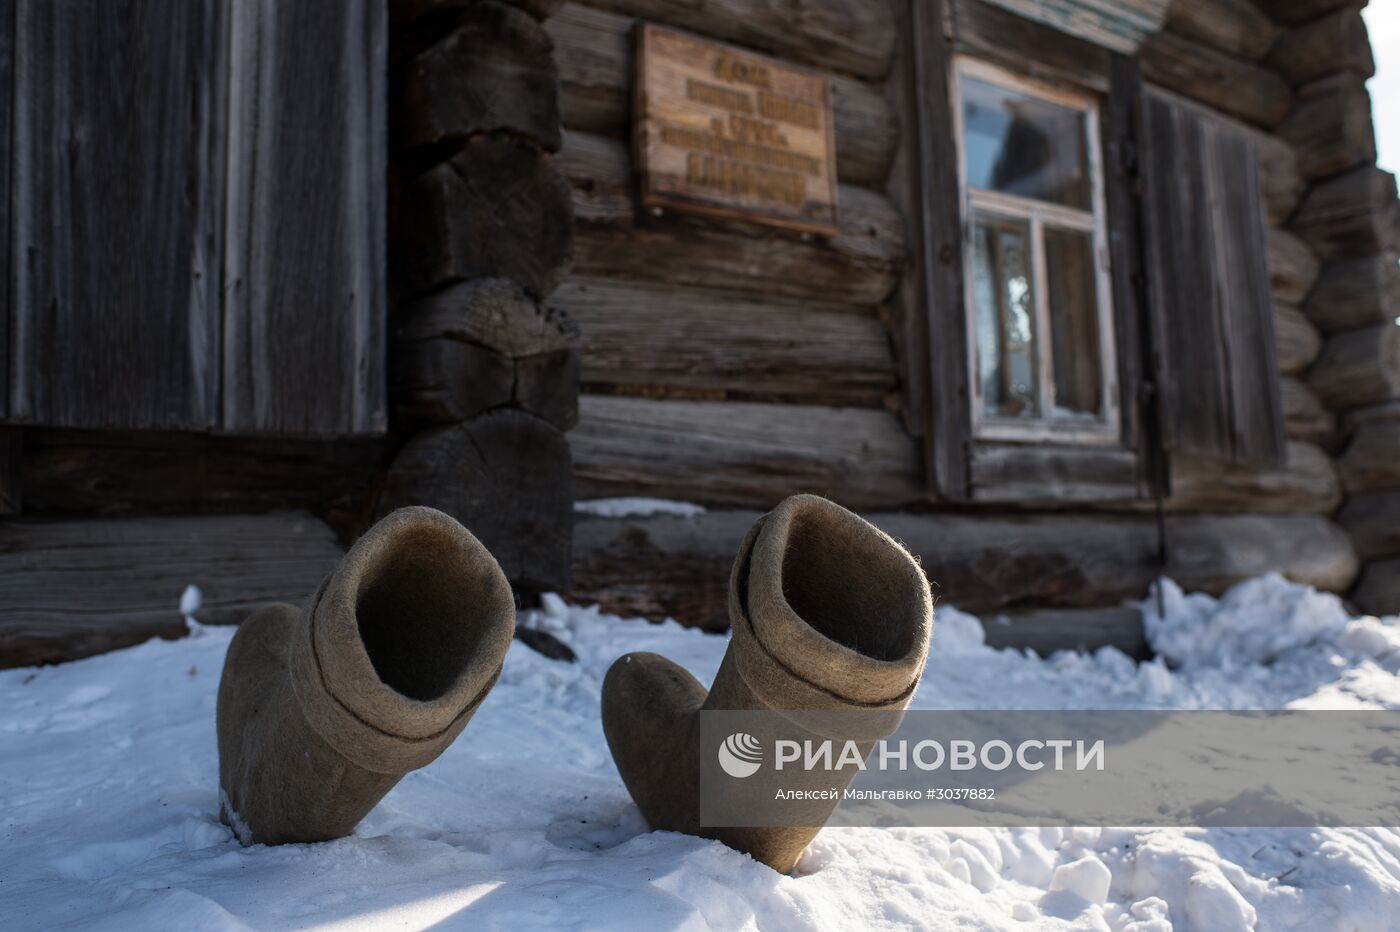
(486, 373)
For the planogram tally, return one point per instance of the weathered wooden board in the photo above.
(929, 304)
(1296, 340)
(304, 277)
(98, 472)
(1235, 27)
(1208, 281)
(1304, 417)
(1334, 42)
(1358, 367)
(729, 134)
(1252, 93)
(1351, 215)
(856, 37)
(1386, 412)
(1062, 476)
(859, 266)
(594, 53)
(652, 337)
(116, 213)
(668, 566)
(1371, 460)
(743, 453)
(7, 77)
(71, 588)
(1020, 43)
(1330, 126)
(1373, 521)
(1378, 590)
(1356, 293)
(1293, 267)
(1120, 25)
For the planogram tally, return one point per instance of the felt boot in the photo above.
(828, 613)
(322, 710)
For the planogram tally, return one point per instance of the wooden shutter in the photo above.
(1208, 286)
(305, 304)
(194, 238)
(115, 213)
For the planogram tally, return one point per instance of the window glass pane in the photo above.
(1074, 324)
(1018, 144)
(1006, 355)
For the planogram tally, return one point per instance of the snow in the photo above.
(636, 507)
(109, 801)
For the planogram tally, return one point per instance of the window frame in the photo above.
(1036, 214)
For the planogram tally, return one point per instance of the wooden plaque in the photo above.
(731, 134)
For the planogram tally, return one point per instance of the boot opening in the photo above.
(848, 587)
(418, 614)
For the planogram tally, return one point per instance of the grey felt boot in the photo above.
(321, 711)
(828, 613)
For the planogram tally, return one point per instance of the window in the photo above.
(1040, 325)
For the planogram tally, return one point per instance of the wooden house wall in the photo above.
(730, 365)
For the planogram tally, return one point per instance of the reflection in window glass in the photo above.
(1021, 145)
(1074, 326)
(1005, 318)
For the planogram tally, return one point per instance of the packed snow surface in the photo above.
(636, 507)
(109, 801)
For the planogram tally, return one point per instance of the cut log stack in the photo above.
(484, 375)
(1350, 219)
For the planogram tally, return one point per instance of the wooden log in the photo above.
(485, 344)
(506, 476)
(1304, 417)
(1280, 178)
(1305, 483)
(1048, 630)
(743, 453)
(859, 266)
(1371, 460)
(1373, 521)
(495, 313)
(11, 445)
(1356, 293)
(443, 381)
(1378, 591)
(1020, 43)
(1293, 267)
(1235, 27)
(643, 336)
(96, 472)
(979, 563)
(74, 588)
(497, 209)
(1353, 214)
(1296, 340)
(1336, 41)
(1330, 126)
(1358, 367)
(857, 38)
(594, 51)
(547, 386)
(494, 71)
(1384, 413)
(1295, 12)
(1254, 94)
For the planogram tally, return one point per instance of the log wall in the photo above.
(731, 365)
